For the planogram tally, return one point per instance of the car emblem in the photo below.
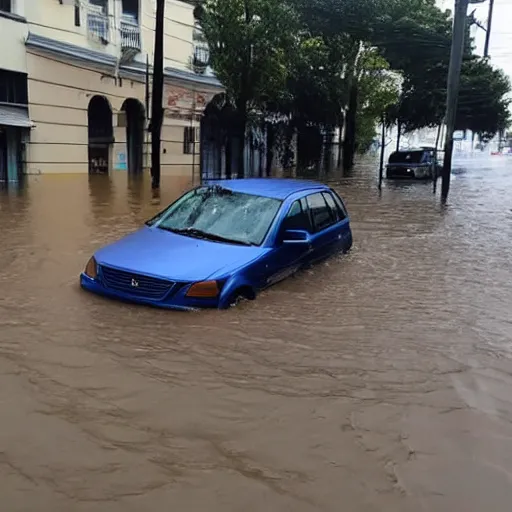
(135, 283)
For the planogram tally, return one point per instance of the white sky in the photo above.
(500, 48)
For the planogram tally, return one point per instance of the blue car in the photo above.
(222, 242)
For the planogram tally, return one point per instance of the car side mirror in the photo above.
(296, 236)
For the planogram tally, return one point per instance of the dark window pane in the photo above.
(307, 214)
(336, 214)
(77, 15)
(296, 218)
(189, 137)
(341, 207)
(321, 213)
(13, 87)
(406, 157)
(5, 5)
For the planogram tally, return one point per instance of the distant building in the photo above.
(73, 86)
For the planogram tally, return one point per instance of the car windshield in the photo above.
(218, 214)
(406, 157)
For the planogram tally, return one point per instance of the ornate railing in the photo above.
(130, 35)
(98, 23)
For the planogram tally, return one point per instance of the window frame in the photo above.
(189, 139)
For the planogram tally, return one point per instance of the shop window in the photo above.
(189, 138)
(5, 5)
(13, 87)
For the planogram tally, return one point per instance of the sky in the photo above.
(500, 48)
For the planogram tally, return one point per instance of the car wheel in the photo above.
(241, 295)
(236, 300)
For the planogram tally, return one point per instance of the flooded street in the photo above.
(377, 382)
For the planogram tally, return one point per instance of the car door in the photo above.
(286, 259)
(344, 232)
(325, 230)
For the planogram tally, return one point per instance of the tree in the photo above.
(405, 32)
(316, 87)
(379, 89)
(484, 99)
(249, 42)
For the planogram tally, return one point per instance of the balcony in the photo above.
(97, 23)
(130, 35)
(201, 56)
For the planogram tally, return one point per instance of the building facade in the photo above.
(75, 84)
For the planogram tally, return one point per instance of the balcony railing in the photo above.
(97, 23)
(201, 57)
(130, 35)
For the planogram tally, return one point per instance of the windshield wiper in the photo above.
(198, 233)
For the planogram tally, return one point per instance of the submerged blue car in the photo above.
(222, 242)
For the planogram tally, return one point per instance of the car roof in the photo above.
(411, 150)
(276, 188)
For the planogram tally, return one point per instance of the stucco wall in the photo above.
(50, 19)
(12, 45)
(59, 96)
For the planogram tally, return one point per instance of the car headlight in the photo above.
(91, 269)
(204, 290)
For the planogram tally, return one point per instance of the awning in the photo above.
(15, 116)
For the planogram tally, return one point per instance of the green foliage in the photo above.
(484, 99)
(379, 89)
(317, 89)
(304, 58)
(249, 43)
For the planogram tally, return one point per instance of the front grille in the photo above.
(399, 171)
(134, 284)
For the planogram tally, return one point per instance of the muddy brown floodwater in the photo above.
(377, 382)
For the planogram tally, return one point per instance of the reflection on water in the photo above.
(379, 380)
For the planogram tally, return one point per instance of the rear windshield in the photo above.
(406, 157)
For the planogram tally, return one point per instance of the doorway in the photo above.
(3, 154)
(135, 118)
(101, 135)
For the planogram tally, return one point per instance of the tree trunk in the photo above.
(271, 140)
(340, 139)
(229, 154)
(241, 127)
(349, 143)
(438, 136)
(399, 126)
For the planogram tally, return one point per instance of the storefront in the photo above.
(15, 124)
(14, 132)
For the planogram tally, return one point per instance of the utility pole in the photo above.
(459, 29)
(489, 28)
(157, 111)
(382, 150)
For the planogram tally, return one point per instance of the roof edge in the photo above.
(67, 51)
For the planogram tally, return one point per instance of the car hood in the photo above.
(160, 253)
